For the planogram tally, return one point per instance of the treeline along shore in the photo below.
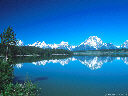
(103, 52)
(32, 51)
(15, 51)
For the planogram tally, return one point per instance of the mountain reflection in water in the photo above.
(93, 62)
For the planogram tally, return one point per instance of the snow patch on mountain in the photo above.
(19, 43)
(92, 43)
(62, 45)
(125, 44)
(38, 44)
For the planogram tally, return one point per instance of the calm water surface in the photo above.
(78, 76)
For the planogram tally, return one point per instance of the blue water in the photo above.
(78, 76)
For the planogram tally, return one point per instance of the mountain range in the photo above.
(92, 43)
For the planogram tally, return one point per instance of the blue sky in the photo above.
(71, 21)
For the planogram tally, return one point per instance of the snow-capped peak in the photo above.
(20, 43)
(38, 44)
(64, 43)
(93, 41)
(125, 44)
(118, 46)
(73, 46)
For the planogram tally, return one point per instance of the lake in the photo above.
(77, 75)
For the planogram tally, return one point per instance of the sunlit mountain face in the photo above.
(62, 45)
(92, 43)
(92, 62)
(19, 43)
(125, 44)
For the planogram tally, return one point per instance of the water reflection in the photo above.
(61, 61)
(93, 62)
(125, 59)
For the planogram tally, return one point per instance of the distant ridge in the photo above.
(92, 43)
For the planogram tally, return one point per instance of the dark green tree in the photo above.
(8, 38)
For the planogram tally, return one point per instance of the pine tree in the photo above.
(8, 38)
